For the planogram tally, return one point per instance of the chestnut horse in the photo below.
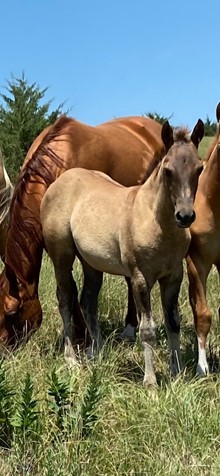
(204, 249)
(6, 191)
(140, 232)
(122, 148)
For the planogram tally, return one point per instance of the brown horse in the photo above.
(6, 191)
(139, 232)
(204, 249)
(122, 148)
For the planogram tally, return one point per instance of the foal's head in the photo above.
(182, 167)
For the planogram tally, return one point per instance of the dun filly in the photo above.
(204, 248)
(139, 232)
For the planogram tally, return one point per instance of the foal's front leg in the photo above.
(169, 288)
(141, 291)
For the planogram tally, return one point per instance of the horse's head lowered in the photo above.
(182, 167)
(19, 315)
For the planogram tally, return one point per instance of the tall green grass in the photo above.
(98, 419)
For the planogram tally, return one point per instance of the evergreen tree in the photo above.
(22, 117)
(210, 127)
(158, 117)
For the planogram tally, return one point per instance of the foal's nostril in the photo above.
(185, 219)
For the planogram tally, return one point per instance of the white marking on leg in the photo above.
(202, 367)
(69, 354)
(149, 375)
(147, 337)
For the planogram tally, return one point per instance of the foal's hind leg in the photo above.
(67, 300)
(169, 288)
(89, 302)
(129, 333)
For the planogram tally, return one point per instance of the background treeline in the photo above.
(24, 113)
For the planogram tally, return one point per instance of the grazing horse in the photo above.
(140, 232)
(6, 191)
(122, 148)
(204, 250)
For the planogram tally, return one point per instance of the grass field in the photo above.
(99, 420)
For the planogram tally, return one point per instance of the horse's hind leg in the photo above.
(89, 302)
(67, 297)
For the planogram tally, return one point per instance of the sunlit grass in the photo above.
(109, 424)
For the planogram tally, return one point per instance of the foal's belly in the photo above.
(105, 259)
(99, 248)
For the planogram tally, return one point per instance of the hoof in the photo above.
(150, 382)
(71, 362)
(128, 334)
(202, 371)
(90, 352)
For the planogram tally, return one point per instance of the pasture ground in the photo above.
(99, 420)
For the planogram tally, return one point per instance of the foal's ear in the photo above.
(167, 135)
(218, 112)
(198, 133)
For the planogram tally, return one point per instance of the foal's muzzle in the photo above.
(185, 219)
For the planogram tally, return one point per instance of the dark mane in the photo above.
(36, 166)
(41, 171)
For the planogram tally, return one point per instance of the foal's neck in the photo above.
(156, 196)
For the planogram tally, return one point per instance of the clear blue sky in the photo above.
(111, 58)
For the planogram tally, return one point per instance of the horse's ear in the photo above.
(218, 112)
(198, 133)
(167, 135)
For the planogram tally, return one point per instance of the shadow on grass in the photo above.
(130, 370)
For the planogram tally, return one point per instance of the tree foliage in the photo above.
(210, 127)
(22, 117)
(157, 117)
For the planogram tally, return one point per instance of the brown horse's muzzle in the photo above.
(18, 323)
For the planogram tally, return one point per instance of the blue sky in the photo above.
(111, 58)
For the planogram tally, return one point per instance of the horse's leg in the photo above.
(131, 317)
(89, 302)
(169, 289)
(141, 292)
(197, 273)
(67, 297)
